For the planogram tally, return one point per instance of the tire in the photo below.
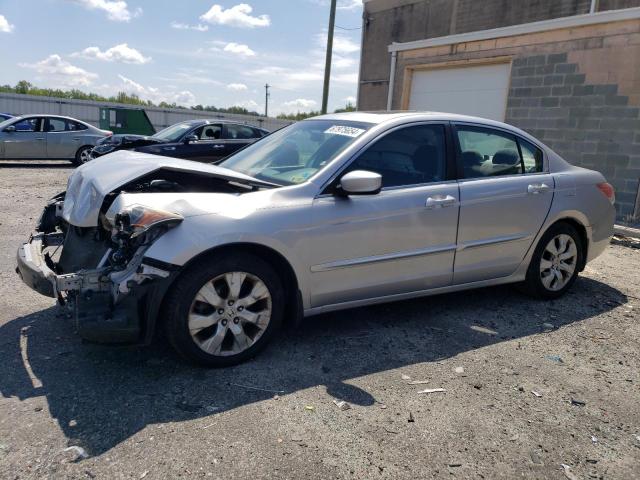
(83, 155)
(550, 274)
(210, 315)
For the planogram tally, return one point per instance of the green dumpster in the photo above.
(126, 120)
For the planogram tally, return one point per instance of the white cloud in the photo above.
(349, 4)
(301, 103)
(236, 16)
(344, 45)
(239, 49)
(116, 10)
(58, 70)
(237, 87)
(350, 99)
(156, 95)
(249, 104)
(120, 53)
(5, 26)
(184, 26)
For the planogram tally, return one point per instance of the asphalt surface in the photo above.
(144, 413)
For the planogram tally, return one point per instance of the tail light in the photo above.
(607, 190)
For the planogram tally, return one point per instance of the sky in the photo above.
(190, 52)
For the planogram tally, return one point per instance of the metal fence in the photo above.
(89, 111)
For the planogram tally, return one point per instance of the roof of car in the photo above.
(48, 115)
(205, 121)
(385, 116)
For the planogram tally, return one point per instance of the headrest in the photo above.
(471, 158)
(506, 157)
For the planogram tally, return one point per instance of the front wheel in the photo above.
(83, 155)
(224, 310)
(555, 261)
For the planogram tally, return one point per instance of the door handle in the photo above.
(39, 138)
(218, 146)
(168, 148)
(536, 188)
(439, 201)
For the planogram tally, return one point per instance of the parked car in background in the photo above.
(329, 213)
(200, 140)
(4, 117)
(49, 137)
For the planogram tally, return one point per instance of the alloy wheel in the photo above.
(558, 262)
(230, 313)
(85, 155)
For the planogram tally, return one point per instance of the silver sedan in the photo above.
(329, 213)
(48, 137)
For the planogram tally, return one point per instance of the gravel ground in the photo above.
(143, 413)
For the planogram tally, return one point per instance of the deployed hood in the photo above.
(90, 184)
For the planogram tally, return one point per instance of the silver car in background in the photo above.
(326, 214)
(49, 137)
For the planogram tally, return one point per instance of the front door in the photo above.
(505, 197)
(27, 141)
(400, 240)
(209, 146)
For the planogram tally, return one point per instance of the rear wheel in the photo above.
(554, 265)
(224, 310)
(83, 155)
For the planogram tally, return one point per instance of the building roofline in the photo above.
(524, 28)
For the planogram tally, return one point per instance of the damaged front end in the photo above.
(100, 273)
(89, 247)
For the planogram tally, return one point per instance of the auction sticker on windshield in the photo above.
(346, 131)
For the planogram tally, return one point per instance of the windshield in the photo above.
(296, 153)
(7, 122)
(173, 133)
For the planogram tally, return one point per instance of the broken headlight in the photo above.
(137, 220)
(135, 227)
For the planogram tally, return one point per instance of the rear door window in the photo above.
(75, 126)
(56, 125)
(239, 132)
(485, 152)
(531, 157)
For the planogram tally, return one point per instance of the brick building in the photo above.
(567, 71)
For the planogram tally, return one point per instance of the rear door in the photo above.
(505, 196)
(27, 141)
(61, 141)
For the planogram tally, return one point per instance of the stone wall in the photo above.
(590, 124)
(388, 21)
(576, 89)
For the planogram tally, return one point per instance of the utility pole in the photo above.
(266, 99)
(327, 66)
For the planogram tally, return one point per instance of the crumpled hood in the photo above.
(89, 184)
(130, 139)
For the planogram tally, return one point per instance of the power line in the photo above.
(345, 28)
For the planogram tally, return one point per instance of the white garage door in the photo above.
(480, 91)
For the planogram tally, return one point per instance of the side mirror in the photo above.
(361, 182)
(10, 129)
(191, 138)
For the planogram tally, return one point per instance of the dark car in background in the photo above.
(4, 117)
(200, 140)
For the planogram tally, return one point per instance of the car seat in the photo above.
(426, 160)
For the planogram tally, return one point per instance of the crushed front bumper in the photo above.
(107, 306)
